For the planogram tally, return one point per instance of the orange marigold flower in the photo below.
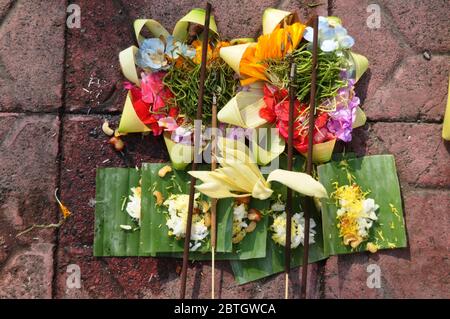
(197, 44)
(217, 48)
(275, 45)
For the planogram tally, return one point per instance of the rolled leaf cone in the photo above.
(130, 122)
(446, 125)
(322, 152)
(153, 26)
(263, 155)
(360, 119)
(300, 182)
(197, 16)
(232, 55)
(181, 155)
(243, 110)
(272, 18)
(241, 41)
(128, 64)
(361, 64)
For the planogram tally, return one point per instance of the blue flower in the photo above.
(155, 54)
(151, 55)
(175, 48)
(332, 37)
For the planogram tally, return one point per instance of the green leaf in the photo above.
(254, 269)
(113, 186)
(378, 175)
(154, 234)
(252, 246)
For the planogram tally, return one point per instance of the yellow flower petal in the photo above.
(62, 208)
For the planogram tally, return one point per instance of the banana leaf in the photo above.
(154, 232)
(252, 246)
(378, 175)
(113, 186)
(254, 269)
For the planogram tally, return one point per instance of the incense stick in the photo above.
(196, 145)
(309, 164)
(214, 200)
(287, 247)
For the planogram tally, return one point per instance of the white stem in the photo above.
(286, 286)
(213, 271)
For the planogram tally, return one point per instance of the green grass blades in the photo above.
(113, 186)
(378, 175)
(154, 233)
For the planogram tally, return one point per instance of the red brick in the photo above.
(416, 91)
(381, 46)
(5, 6)
(420, 153)
(199, 283)
(424, 24)
(28, 273)
(305, 8)
(419, 271)
(93, 76)
(28, 175)
(85, 147)
(32, 56)
(105, 277)
(158, 278)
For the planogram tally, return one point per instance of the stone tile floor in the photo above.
(58, 84)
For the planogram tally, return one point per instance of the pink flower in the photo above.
(168, 123)
(154, 92)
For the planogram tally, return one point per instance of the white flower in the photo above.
(239, 212)
(369, 208)
(278, 207)
(134, 205)
(177, 208)
(368, 216)
(278, 228)
(194, 246)
(239, 222)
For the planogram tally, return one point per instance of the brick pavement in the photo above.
(58, 84)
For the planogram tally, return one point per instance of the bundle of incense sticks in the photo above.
(196, 146)
(307, 204)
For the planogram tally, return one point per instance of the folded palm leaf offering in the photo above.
(144, 212)
(364, 211)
